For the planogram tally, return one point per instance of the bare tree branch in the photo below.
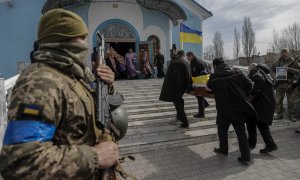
(209, 53)
(218, 44)
(248, 38)
(236, 44)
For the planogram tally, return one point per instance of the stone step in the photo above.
(160, 104)
(153, 125)
(172, 126)
(164, 121)
(171, 136)
(155, 100)
(137, 97)
(169, 114)
(179, 137)
(150, 110)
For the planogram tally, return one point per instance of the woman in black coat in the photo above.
(263, 100)
(177, 81)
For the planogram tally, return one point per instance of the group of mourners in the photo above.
(127, 68)
(245, 101)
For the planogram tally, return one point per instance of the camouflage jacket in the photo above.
(69, 155)
(293, 71)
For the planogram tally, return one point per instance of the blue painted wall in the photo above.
(157, 18)
(194, 22)
(18, 31)
(81, 10)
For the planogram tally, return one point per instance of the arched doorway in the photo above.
(155, 42)
(118, 34)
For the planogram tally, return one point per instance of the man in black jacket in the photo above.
(263, 100)
(159, 61)
(177, 81)
(232, 89)
(197, 69)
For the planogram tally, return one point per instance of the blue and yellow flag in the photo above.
(190, 35)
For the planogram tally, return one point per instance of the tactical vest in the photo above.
(84, 94)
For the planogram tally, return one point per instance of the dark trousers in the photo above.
(240, 130)
(201, 105)
(160, 71)
(122, 75)
(264, 131)
(179, 105)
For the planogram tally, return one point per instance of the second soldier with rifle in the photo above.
(283, 86)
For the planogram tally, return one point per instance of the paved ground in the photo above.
(200, 162)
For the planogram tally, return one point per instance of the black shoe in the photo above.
(251, 148)
(218, 151)
(293, 119)
(199, 115)
(267, 149)
(244, 161)
(184, 125)
(205, 103)
(297, 131)
(278, 117)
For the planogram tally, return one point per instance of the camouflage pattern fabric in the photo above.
(70, 155)
(283, 86)
(295, 96)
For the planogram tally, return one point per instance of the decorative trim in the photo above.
(120, 22)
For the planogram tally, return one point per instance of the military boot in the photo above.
(293, 119)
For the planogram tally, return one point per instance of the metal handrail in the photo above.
(3, 116)
(5, 88)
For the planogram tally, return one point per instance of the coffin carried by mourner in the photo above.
(199, 84)
(201, 91)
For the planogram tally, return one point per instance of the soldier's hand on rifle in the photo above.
(108, 154)
(106, 74)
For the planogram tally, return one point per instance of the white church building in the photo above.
(136, 24)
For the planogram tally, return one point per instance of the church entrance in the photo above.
(120, 36)
(122, 47)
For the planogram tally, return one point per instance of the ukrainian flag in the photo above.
(190, 35)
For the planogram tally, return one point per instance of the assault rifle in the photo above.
(103, 111)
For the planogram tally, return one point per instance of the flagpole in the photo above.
(180, 43)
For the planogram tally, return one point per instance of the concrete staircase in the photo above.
(152, 123)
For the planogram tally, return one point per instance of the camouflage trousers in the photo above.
(280, 93)
(296, 100)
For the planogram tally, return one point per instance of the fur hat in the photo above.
(60, 25)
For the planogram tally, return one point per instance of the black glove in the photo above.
(189, 88)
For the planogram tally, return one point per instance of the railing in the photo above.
(3, 116)
(5, 88)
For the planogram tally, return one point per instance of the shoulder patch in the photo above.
(26, 110)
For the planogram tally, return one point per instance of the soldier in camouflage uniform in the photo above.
(283, 86)
(51, 132)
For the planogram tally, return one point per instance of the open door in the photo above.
(148, 48)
